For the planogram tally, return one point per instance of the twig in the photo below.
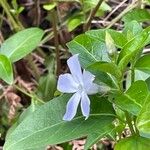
(53, 12)
(114, 10)
(130, 7)
(87, 25)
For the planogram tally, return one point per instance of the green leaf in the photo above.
(132, 50)
(102, 77)
(132, 29)
(134, 98)
(49, 6)
(6, 72)
(143, 120)
(111, 49)
(92, 139)
(110, 68)
(134, 46)
(90, 50)
(47, 87)
(139, 15)
(139, 75)
(34, 106)
(46, 127)
(143, 63)
(21, 44)
(133, 143)
(75, 21)
(119, 39)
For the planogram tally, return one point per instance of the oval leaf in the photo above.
(134, 98)
(21, 44)
(133, 143)
(6, 72)
(45, 126)
(143, 63)
(143, 120)
(110, 68)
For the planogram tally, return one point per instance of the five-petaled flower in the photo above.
(81, 84)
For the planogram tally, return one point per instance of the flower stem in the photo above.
(129, 122)
(93, 12)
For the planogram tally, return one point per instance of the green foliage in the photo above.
(21, 44)
(47, 122)
(143, 120)
(6, 72)
(133, 99)
(143, 63)
(139, 15)
(120, 68)
(47, 87)
(15, 48)
(80, 17)
(134, 142)
(119, 38)
(89, 48)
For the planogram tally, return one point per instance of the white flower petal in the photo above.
(89, 86)
(72, 106)
(75, 68)
(67, 84)
(85, 105)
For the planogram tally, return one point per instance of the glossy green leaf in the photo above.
(75, 21)
(110, 68)
(143, 120)
(90, 50)
(6, 72)
(49, 6)
(134, 98)
(133, 143)
(139, 15)
(132, 29)
(21, 43)
(102, 78)
(46, 127)
(143, 63)
(130, 52)
(134, 46)
(139, 75)
(119, 39)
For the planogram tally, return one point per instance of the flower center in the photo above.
(80, 88)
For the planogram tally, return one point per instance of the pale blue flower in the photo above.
(81, 84)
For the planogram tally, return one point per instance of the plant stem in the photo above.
(93, 12)
(6, 8)
(54, 21)
(29, 95)
(129, 122)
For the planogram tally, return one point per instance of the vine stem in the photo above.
(27, 94)
(6, 8)
(54, 22)
(93, 12)
(129, 122)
